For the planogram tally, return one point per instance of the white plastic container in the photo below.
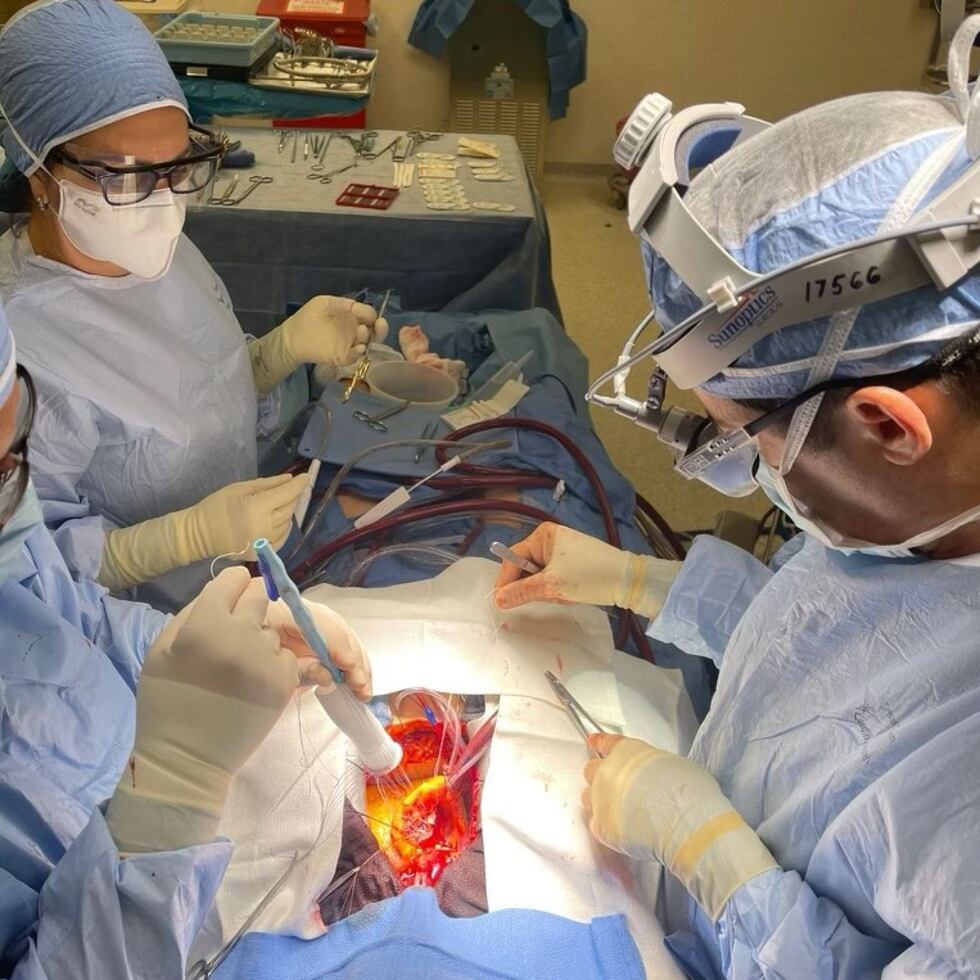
(400, 381)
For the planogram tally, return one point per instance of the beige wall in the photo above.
(775, 56)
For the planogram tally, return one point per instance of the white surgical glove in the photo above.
(224, 523)
(342, 643)
(653, 804)
(213, 685)
(579, 568)
(328, 330)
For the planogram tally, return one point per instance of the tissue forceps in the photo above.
(579, 715)
(360, 372)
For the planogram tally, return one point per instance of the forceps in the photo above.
(223, 197)
(360, 372)
(328, 178)
(322, 154)
(578, 714)
(524, 564)
(376, 422)
(256, 180)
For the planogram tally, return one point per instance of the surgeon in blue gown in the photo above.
(152, 404)
(824, 823)
(90, 889)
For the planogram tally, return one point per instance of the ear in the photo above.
(894, 421)
(41, 186)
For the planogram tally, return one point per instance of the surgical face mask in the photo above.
(140, 238)
(25, 518)
(774, 487)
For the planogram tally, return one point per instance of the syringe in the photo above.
(378, 751)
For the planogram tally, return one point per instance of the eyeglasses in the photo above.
(123, 184)
(699, 447)
(14, 470)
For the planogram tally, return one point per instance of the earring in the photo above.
(42, 202)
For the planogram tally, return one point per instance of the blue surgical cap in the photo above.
(70, 66)
(827, 176)
(8, 365)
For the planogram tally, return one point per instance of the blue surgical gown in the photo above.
(70, 657)
(146, 400)
(846, 730)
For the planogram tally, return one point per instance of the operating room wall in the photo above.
(775, 56)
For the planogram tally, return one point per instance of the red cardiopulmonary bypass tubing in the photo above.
(472, 477)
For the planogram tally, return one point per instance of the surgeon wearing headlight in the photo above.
(150, 399)
(824, 821)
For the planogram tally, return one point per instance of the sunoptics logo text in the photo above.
(756, 311)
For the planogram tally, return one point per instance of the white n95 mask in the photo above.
(140, 238)
(14, 533)
(776, 490)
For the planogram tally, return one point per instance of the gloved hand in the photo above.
(225, 522)
(327, 330)
(577, 568)
(653, 804)
(213, 685)
(342, 642)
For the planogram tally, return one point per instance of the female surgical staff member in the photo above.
(824, 823)
(106, 699)
(149, 397)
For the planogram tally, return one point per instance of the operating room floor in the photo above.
(599, 276)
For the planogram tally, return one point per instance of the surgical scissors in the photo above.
(203, 969)
(578, 714)
(256, 180)
(376, 422)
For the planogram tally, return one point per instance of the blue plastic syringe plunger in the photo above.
(378, 751)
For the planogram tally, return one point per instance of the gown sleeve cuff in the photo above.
(145, 910)
(716, 584)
